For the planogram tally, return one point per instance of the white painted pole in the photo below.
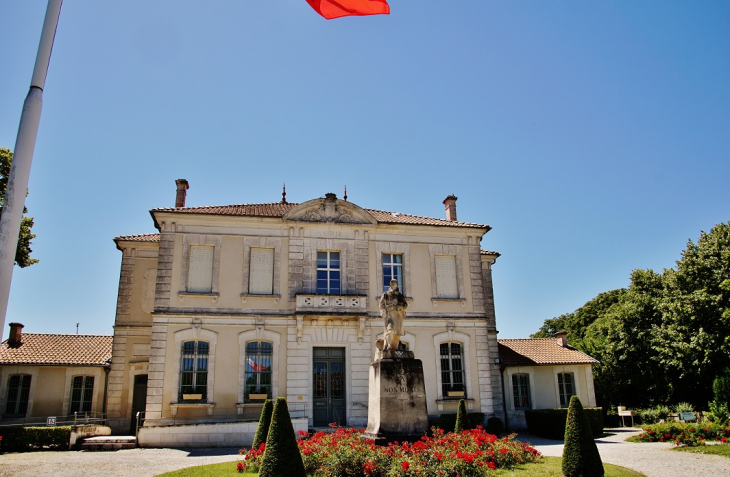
(23, 157)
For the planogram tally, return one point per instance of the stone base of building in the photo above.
(397, 401)
(219, 434)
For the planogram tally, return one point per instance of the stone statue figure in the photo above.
(393, 310)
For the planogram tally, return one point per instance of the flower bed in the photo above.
(342, 453)
(684, 434)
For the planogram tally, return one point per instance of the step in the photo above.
(109, 443)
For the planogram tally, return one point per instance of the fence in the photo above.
(75, 419)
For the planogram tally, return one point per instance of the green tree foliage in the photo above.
(666, 337)
(461, 423)
(262, 432)
(22, 254)
(580, 454)
(721, 387)
(282, 457)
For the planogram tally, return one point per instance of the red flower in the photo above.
(405, 465)
(239, 467)
(491, 465)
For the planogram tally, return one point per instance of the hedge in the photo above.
(550, 423)
(20, 439)
(447, 422)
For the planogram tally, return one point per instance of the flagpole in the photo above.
(23, 157)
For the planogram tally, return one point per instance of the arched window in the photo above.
(16, 404)
(194, 371)
(452, 370)
(82, 393)
(257, 381)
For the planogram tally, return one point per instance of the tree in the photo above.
(281, 457)
(22, 254)
(262, 431)
(461, 423)
(580, 454)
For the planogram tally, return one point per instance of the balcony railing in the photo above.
(331, 303)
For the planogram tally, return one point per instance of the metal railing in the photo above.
(75, 419)
(139, 421)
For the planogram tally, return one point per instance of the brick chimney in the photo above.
(450, 204)
(182, 187)
(562, 337)
(15, 334)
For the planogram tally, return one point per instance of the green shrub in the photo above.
(684, 433)
(580, 454)
(648, 416)
(611, 418)
(662, 412)
(264, 422)
(494, 426)
(718, 412)
(550, 423)
(461, 423)
(22, 439)
(721, 387)
(281, 457)
(447, 422)
(684, 407)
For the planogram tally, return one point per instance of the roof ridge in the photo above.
(226, 205)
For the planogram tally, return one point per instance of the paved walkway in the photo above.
(651, 459)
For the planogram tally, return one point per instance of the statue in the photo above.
(393, 310)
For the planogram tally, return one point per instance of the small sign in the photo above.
(51, 421)
(686, 416)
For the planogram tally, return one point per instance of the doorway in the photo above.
(328, 382)
(139, 401)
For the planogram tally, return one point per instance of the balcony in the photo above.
(347, 304)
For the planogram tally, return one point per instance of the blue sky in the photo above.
(594, 137)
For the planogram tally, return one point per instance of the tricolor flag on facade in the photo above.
(341, 8)
(256, 367)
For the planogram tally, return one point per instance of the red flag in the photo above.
(341, 8)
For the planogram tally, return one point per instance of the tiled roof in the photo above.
(52, 349)
(278, 209)
(539, 351)
(139, 238)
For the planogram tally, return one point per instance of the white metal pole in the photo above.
(23, 157)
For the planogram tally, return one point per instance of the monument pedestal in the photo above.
(397, 401)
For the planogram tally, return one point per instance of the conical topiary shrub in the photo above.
(461, 422)
(282, 457)
(264, 422)
(580, 454)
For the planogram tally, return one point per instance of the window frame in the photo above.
(392, 265)
(328, 270)
(451, 358)
(563, 396)
(23, 378)
(267, 373)
(196, 356)
(86, 394)
(517, 392)
(205, 240)
(251, 275)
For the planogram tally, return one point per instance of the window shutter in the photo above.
(261, 278)
(446, 276)
(200, 273)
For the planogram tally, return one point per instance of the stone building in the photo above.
(52, 375)
(227, 306)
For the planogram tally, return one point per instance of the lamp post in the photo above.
(23, 157)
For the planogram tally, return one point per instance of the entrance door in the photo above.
(329, 386)
(139, 401)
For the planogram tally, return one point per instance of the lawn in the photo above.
(712, 449)
(547, 467)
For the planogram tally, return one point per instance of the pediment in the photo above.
(329, 210)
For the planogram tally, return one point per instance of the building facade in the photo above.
(227, 306)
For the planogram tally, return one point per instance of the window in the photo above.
(82, 393)
(261, 276)
(392, 270)
(328, 272)
(521, 391)
(18, 394)
(194, 371)
(452, 370)
(258, 371)
(566, 388)
(200, 271)
(446, 276)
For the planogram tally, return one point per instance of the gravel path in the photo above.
(654, 459)
(651, 459)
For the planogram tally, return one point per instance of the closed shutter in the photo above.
(446, 276)
(200, 273)
(261, 277)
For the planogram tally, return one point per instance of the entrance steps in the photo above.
(109, 443)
